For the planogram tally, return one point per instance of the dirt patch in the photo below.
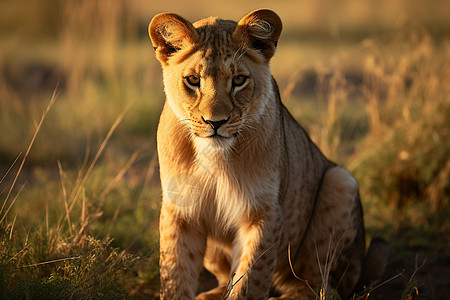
(423, 278)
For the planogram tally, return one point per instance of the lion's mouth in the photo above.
(221, 137)
(212, 136)
(215, 141)
(215, 135)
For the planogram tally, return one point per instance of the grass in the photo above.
(79, 204)
(89, 267)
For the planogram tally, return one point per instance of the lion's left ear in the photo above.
(259, 30)
(170, 33)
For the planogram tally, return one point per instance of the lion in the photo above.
(245, 192)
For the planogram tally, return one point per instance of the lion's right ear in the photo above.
(260, 30)
(169, 34)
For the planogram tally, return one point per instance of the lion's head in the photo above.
(216, 72)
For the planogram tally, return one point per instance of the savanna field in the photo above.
(80, 98)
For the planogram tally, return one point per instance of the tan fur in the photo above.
(242, 182)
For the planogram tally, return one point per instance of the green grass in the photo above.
(81, 220)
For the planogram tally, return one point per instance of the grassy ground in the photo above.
(78, 211)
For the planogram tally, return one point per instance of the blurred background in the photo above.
(80, 192)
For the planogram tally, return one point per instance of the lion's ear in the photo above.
(259, 30)
(169, 34)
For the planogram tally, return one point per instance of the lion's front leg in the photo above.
(255, 254)
(182, 248)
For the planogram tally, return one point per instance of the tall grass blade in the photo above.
(39, 125)
(88, 172)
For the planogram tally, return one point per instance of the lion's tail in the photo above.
(374, 263)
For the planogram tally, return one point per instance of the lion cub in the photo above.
(245, 190)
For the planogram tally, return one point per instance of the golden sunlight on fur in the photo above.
(242, 182)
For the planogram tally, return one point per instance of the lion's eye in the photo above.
(192, 81)
(239, 80)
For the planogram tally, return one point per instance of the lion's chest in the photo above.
(225, 197)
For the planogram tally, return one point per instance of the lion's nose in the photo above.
(215, 124)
